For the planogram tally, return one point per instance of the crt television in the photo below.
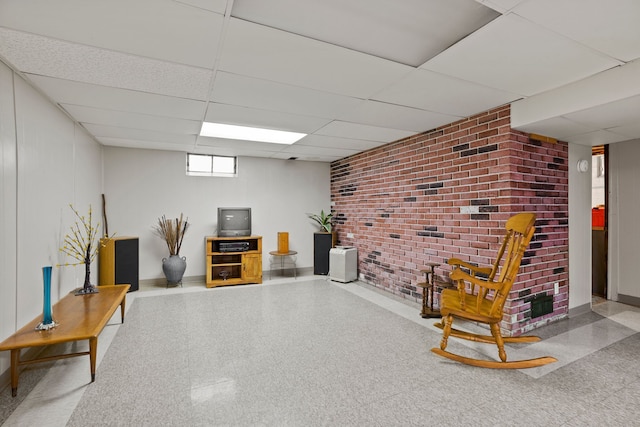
(234, 222)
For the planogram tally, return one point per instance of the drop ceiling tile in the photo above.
(244, 116)
(515, 55)
(143, 144)
(166, 30)
(630, 130)
(336, 142)
(235, 144)
(359, 131)
(309, 150)
(393, 116)
(612, 114)
(85, 94)
(267, 95)
(90, 115)
(557, 127)
(102, 131)
(219, 6)
(600, 137)
(435, 92)
(54, 58)
(262, 52)
(604, 88)
(408, 32)
(607, 26)
(501, 6)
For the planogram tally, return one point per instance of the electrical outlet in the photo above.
(556, 288)
(349, 235)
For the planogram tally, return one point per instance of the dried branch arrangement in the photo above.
(80, 243)
(172, 231)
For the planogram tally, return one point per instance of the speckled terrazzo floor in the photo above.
(312, 352)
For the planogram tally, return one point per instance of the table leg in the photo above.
(93, 349)
(15, 361)
(124, 300)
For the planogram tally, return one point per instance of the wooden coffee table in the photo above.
(80, 318)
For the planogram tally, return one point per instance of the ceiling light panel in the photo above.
(226, 131)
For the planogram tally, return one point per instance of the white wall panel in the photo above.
(48, 181)
(47, 162)
(7, 211)
(579, 229)
(623, 210)
(142, 185)
(45, 188)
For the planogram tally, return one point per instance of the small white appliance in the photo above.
(343, 264)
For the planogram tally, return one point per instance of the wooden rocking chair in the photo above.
(482, 300)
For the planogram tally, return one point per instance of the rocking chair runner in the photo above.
(482, 300)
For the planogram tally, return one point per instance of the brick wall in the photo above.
(447, 193)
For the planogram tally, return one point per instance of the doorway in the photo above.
(599, 199)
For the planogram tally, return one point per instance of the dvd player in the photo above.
(234, 246)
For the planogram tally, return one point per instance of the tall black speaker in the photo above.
(118, 262)
(322, 244)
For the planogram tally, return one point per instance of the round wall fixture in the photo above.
(583, 165)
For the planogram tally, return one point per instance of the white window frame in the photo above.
(212, 171)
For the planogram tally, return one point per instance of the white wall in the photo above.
(623, 211)
(579, 230)
(142, 185)
(8, 175)
(48, 162)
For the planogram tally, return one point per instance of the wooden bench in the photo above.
(79, 317)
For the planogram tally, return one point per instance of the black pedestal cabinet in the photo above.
(322, 244)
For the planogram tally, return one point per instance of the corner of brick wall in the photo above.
(447, 193)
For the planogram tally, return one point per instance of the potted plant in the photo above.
(324, 220)
(172, 231)
(323, 241)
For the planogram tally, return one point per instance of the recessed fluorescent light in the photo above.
(219, 130)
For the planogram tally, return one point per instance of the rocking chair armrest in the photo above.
(473, 268)
(459, 275)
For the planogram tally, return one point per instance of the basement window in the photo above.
(211, 165)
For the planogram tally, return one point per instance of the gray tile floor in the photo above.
(312, 352)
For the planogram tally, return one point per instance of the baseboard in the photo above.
(627, 299)
(161, 281)
(581, 309)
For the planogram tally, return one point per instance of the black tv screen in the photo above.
(234, 222)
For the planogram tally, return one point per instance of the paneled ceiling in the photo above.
(352, 74)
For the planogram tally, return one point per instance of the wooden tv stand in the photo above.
(233, 268)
